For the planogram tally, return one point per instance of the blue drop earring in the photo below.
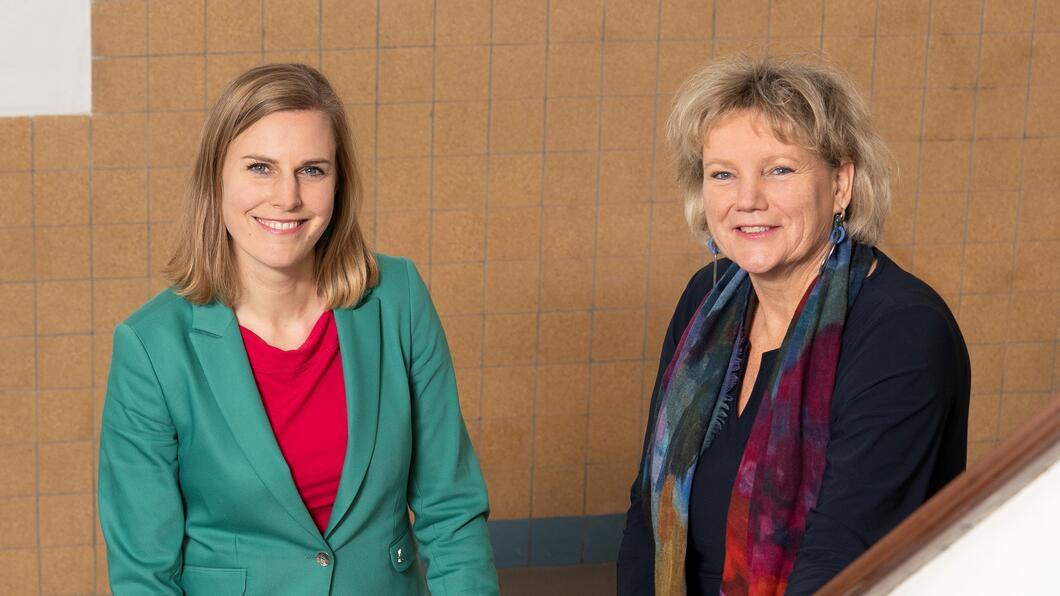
(713, 248)
(839, 230)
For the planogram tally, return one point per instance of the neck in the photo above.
(778, 297)
(274, 299)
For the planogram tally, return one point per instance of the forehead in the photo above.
(289, 129)
(747, 130)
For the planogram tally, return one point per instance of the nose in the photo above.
(287, 193)
(749, 195)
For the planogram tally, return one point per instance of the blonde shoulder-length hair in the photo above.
(813, 105)
(202, 268)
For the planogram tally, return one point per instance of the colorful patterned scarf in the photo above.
(780, 474)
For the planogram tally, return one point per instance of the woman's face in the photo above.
(769, 205)
(278, 190)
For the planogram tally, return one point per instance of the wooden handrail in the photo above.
(953, 503)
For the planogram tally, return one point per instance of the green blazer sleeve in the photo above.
(140, 508)
(446, 490)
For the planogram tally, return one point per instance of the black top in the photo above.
(899, 434)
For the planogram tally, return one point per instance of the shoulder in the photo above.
(699, 285)
(166, 311)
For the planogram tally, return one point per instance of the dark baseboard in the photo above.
(556, 540)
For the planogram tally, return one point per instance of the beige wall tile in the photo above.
(567, 232)
(1039, 170)
(983, 414)
(1039, 216)
(559, 440)
(66, 467)
(563, 337)
(575, 20)
(60, 142)
(510, 339)
(234, 25)
(65, 361)
(504, 442)
(403, 184)
(987, 366)
(119, 28)
(462, 22)
(902, 16)
(631, 20)
(948, 113)
(61, 197)
(457, 288)
(618, 335)
(16, 144)
(607, 487)
(1029, 366)
(469, 385)
(119, 196)
(64, 307)
(119, 140)
(67, 570)
(897, 112)
(517, 72)
(19, 309)
(574, 69)
(622, 230)
(508, 392)
(292, 24)
(849, 17)
(119, 85)
(677, 61)
(62, 252)
(987, 267)
(616, 389)
(566, 284)
(173, 138)
(516, 126)
(734, 18)
(1034, 266)
(461, 73)
(614, 438)
(404, 129)
(222, 68)
(562, 390)
(558, 491)
(406, 74)
(459, 182)
(570, 178)
(509, 491)
(980, 319)
(620, 282)
(66, 415)
(513, 233)
(176, 26)
(940, 217)
(405, 233)
(1017, 409)
(939, 265)
(956, 16)
(685, 19)
(512, 286)
(308, 56)
(628, 123)
(16, 193)
(18, 523)
(1043, 117)
(16, 254)
(460, 128)
(19, 369)
(629, 68)
(514, 180)
(406, 23)
(18, 568)
(1004, 60)
(789, 18)
(1033, 316)
(457, 236)
(625, 176)
(952, 60)
(115, 299)
(18, 416)
(348, 23)
(465, 337)
(120, 250)
(519, 21)
(999, 112)
(20, 470)
(176, 82)
(66, 520)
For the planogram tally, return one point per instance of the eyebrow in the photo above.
(268, 160)
(726, 162)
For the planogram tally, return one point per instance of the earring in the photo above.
(839, 231)
(713, 248)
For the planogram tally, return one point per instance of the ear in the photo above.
(842, 185)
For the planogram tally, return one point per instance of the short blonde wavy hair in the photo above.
(202, 268)
(815, 106)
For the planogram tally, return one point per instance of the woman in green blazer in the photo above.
(195, 493)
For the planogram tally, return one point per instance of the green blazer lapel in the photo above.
(219, 348)
(360, 345)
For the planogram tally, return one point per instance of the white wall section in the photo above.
(45, 57)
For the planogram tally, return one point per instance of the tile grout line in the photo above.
(920, 143)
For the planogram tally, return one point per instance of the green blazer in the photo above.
(196, 498)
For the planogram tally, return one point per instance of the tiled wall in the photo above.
(513, 149)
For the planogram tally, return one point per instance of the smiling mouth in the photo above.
(754, 229)
(278, 226)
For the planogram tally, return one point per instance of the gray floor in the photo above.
(576, 580)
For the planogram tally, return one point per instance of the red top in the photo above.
(305, 398)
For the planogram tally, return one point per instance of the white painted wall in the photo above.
(45, 57)
(1014, 550)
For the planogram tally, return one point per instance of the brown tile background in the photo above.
(513, 148)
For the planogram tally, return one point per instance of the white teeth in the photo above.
(279, 225)
(753, 229)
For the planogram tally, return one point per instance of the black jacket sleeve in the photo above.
(636, 555)
(903, 383)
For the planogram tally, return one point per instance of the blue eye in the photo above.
(721, 175)
(781, 170)
(313, 171)
(258, 168)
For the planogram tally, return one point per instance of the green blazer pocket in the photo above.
(403, 552)
(213, 581)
